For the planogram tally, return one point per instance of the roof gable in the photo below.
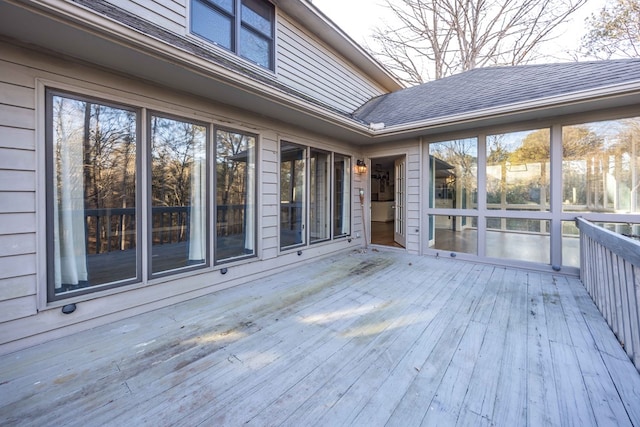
(486, 88)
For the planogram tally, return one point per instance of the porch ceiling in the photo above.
(379, 338)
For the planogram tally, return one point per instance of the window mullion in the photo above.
(144, 196)
(237, 26)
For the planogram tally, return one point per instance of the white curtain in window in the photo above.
(70, 261)
(198, 218)
(250, 198)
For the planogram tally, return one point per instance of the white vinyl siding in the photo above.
(305, 64)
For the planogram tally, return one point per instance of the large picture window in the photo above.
(601, 167)
(235, 194)
(100, 203)
(178, 194)
(92, 197)
(242, 26)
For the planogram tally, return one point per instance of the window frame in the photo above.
(149, 192)
(306, 218)
(51, 294)
(237, 24)
(142, 114)
(214, 202)
(348, 200)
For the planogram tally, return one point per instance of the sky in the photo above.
(358, 18)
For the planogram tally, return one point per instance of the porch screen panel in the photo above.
(519, 239)
(178, 194)
(292, 195)
(601, 167)
(518, 170)
(319, 201)
(454, 165)
(341, 195)
(92, 194)
(235, 195)
(448, 235)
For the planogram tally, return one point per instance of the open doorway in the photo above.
(388, 201)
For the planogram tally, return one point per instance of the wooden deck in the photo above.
(363, 339)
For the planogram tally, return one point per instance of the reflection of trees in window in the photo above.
(600, 166)
(342, 195)
(178, 194)
(94, 191)
(235, 194)
(518, 170)
(292, 194)
(456, 173)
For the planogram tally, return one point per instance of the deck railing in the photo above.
(114, 229)
(610, 270)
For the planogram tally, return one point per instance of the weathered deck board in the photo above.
(382, 338)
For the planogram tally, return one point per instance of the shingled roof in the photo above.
(492, 87)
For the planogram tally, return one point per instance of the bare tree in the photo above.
(615, 31)
(431, 39)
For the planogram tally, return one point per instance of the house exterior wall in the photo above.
(26, 317)
(303, 61)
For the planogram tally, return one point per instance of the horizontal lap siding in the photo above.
(269, 172)
(413, 200)
(306, 65)
(168, 14)
(17, 193)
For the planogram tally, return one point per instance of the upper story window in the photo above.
(245, 27)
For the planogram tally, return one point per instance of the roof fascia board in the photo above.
(318, 23)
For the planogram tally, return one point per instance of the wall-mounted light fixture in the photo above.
(361, 167)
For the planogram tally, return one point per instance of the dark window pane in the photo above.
(342, 195)
(292, 195)
(258, 14)
(255, 48)
(178, 194)
(319, 208)
(211, 24)
(93, 193)
(227, 5)
(235, 195)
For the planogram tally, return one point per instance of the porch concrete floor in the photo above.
(365, 339)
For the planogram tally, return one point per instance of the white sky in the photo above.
(358, 18)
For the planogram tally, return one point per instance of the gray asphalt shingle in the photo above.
(492, 87)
